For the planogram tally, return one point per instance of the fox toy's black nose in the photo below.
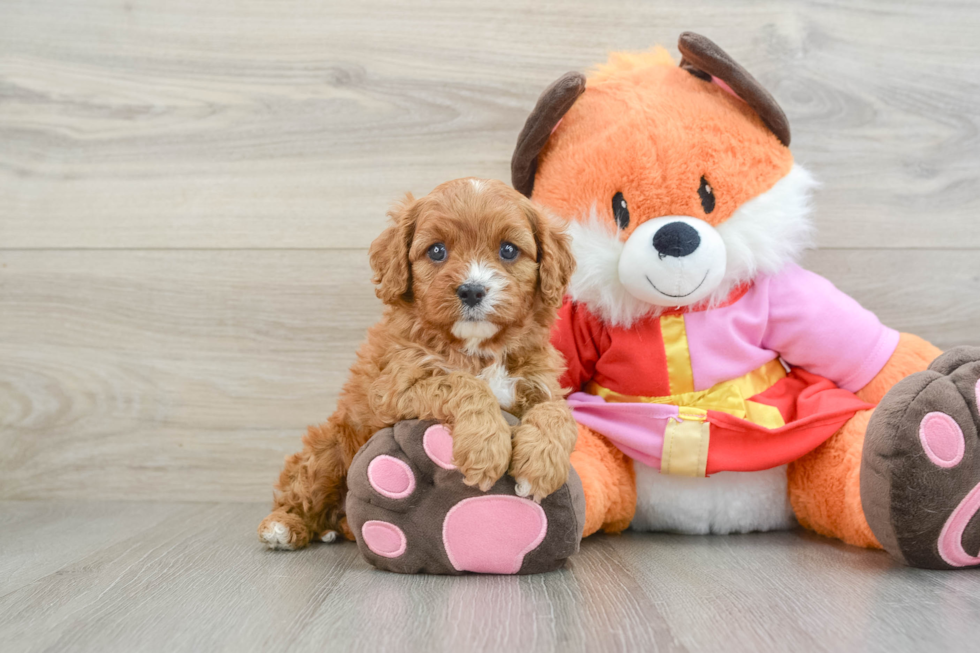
(471, 294)
(676, 239)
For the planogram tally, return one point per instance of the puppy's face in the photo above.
(475, 258)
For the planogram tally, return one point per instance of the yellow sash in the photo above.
(730, 397)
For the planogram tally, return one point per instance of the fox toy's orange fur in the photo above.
(425, 359)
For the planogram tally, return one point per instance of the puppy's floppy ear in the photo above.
(555, 260)
(389, 253)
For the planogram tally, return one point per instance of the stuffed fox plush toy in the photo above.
(720, 387)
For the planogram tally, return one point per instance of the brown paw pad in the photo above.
(411, 512)
(920, 475)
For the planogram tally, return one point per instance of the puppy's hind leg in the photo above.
(310, 492)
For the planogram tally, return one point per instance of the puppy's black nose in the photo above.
(676, 239)
(471, 294)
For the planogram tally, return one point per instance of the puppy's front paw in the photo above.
(481, 450)
(283, 531)
(539, 465)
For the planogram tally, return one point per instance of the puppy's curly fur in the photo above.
(433, 356)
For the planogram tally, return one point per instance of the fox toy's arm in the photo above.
(576, 336)
(815, 326)
(913, 354)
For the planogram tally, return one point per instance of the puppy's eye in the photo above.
(508, 251)
(438, 252)
(707, 196)
(620, 211)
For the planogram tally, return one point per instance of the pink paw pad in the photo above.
(942, 439)
(492, 534)
(438, 445)
(951, 538)
(385, 539)
(391, 477)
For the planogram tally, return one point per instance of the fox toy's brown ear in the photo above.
(554, 103)
(389, 253)
(704, 59)
(555, 260)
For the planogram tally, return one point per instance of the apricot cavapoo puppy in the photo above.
(472, 275)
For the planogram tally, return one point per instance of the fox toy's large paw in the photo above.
(920, 474)
(411, 512)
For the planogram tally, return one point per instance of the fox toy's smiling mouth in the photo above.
(673, 260)
(687, 294)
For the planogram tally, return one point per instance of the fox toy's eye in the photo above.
(437, 252)
(508, 251)
(620, 211)
(707, 196)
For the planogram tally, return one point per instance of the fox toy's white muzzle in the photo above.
(672, 261)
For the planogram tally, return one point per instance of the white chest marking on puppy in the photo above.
(480, 330)
(473, 334)
(501, 383)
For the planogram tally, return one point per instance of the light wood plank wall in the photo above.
(187, 191)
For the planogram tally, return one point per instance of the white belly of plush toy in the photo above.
(727, 502)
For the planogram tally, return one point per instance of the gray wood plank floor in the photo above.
(103, 576)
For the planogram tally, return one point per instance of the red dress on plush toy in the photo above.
(719, 387)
